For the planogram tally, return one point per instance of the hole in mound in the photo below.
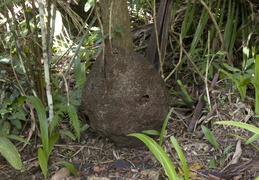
(144, 98)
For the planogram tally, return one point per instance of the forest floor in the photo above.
(98, 159)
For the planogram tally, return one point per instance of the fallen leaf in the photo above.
(62, 173)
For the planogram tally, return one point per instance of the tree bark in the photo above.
(115, 16)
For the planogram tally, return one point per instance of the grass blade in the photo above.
(181, 156)
(162, 133)
(11, 136)
(241, 125)
(160, 154)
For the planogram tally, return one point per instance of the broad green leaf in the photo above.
(160, 154)
(244, 82)
(212, 163)
(70, 166)
(256, 82)
(210, 137)
(250, 71)
(5, 129)
(181, 156)
(10, 153)
(43, 161)
(162, 133)
(4, 111)
(52, 140)
(42, 121)
(249, 62)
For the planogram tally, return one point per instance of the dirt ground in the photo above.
(97, 159)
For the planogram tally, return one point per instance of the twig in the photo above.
(199, 107)
(181, 55)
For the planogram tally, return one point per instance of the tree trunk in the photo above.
(115, 16)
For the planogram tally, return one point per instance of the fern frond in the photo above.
(54, 123)
(74, 121)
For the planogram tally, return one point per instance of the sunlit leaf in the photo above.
(181, 156)
(160, 154)
(241, 125)
(88, 5)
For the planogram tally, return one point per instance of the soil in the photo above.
(97, 158)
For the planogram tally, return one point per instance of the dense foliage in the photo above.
(47, 49)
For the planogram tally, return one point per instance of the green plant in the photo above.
(12, 116)
(240, 78)
(66, 107)
(48, 141)
(160, 154)
(186, 96)
(255, 82)
(246, 126)
(212, 139)
(10, 153)
(162, 132)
